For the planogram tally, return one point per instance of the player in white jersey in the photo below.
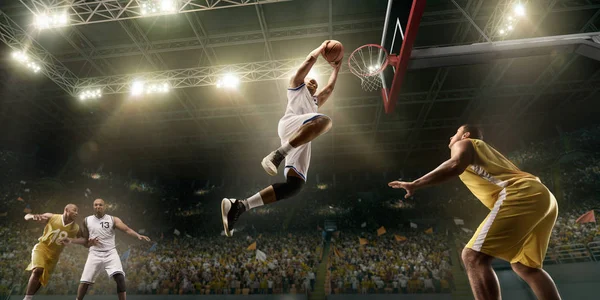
(103, 255)
(300, 125)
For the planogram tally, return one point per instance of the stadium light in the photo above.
(228, 81)
(23, 59)
(168, 5)
(137, 88)
(152, 7)
(140, 87)
(45, 21)
(520, 9)
(157, 88)
(90, 94)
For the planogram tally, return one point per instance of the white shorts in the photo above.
(299, 158)
(97, 261)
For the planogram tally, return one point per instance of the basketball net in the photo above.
(367, 63)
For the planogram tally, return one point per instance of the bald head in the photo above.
(71, 212)
(311, 85)
(99, 208)
(70, 206)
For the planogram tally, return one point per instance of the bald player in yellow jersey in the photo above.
(521, 218)
(60, 230)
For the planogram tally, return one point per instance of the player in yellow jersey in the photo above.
(60, 229)
(521, 218)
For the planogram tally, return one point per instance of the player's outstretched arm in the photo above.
(121, 226)
(462, 155)
(324, 94)
(42, 218)
(82, 238)
(310, 61)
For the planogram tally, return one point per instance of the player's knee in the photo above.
(471, 257)
(288, 189)
(37, 272)
(120, 280)
(464, 256)
(321, 123)
(325, 122)
(468, 257)
(523, 270)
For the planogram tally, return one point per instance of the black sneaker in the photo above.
(231, 210)
(271, 162)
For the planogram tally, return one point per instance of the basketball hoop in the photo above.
(367, 62)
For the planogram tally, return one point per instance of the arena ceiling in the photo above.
(196, 127)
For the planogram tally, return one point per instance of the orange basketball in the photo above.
(334, 51)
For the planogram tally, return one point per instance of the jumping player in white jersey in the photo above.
(297, 128)
(103, 255)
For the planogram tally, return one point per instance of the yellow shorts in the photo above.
(43, 258)
(519, 226)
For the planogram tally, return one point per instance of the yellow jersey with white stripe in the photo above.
(54, 232)
(490, 173)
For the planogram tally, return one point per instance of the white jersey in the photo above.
(103, 229)
(301, 108)
(300, 101)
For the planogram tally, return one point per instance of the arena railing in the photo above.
(573, 253)
(594, 250)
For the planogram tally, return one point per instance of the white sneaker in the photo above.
(271, 162)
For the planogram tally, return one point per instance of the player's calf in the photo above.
(34, 283)
(232, 209)
(540, 282)
(120, 280)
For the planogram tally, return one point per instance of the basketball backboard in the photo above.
(399, 33)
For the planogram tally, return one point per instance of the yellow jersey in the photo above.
(55, 231)
(490, 173)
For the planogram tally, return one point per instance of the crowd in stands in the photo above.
(414, 263)
(567, 231)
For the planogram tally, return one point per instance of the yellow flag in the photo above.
(400, 238)
(429, 231)
(252, 246)
(381, 231)
(363, 241)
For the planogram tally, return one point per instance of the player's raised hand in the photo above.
(143, 237)
(407, 186)
(322, 48)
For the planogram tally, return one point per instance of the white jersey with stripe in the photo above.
(300, 101)
(103, 229)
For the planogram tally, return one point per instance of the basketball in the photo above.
(334, 51)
